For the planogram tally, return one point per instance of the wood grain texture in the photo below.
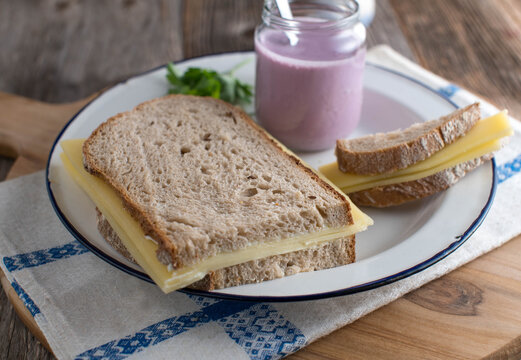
(29, 127)
(509, 352)
(233, 30)
(64, 50)
(475, 43)
(22, 312)
(385, 29)
(449, 296)
(215, 26)
(17, 342)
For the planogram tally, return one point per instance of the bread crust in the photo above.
(337, 253)
(385, 153)
(397, 194)
(142, 217)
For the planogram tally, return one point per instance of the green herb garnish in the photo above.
(206, 82)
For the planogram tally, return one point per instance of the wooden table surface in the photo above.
(64, 50)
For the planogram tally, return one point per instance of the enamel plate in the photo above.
(403, 241)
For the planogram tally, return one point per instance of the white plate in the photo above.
(404, 239)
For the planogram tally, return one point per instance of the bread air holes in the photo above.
(305, 213)
(250, 192)
(230, 115)
(184, 150)
(312, 197)
(263, 186)
(266, 178)
(165, 183)
(278, 191)
(321, 211)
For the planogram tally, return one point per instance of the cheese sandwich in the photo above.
(388, 169)
(198, 195)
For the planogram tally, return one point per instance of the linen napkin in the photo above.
(89, 310)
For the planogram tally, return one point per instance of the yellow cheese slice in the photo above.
(484, 138)
(144, 250)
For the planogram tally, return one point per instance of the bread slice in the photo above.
(397, 194)
(332, 254)
(387, 152)
(202, 178)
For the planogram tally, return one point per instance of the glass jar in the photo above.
(309, 73)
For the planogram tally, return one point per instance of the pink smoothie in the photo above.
(310, 94)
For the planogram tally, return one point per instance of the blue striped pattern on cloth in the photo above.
(163, 330)
(509, 169)
(257, 328)
(28, 302)
(45, 256)
(263, 333)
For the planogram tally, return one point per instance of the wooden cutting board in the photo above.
(473, 312)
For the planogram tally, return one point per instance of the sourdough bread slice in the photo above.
(202, 178)
(397, 194)
(387, 152)
(332, 254)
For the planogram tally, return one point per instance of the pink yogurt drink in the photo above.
(308, 89)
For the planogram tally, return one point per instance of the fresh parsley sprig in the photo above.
(206, 82)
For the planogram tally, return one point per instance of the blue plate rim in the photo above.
(330, 294)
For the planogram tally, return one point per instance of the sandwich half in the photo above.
(388, 169)
(197, 193)
(331, 254)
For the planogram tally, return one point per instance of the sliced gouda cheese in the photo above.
(144, 250)
(485, 137)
